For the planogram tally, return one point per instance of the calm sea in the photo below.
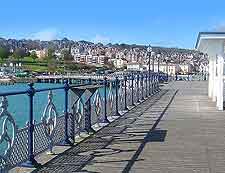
(18, 104)
(19, 107)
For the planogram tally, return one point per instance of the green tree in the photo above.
(72, 67)
(52, 65)
(4, 53)
(51, 53)
(19, 53)
(66, 55)
(67, 58)
(33, 55)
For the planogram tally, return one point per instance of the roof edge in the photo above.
(202, 33)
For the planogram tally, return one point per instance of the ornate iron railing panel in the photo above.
(136, 90)
(84, 106)
(129, 92)
(19, 151)
(41, 141)
(59, 135)
(8, 133)
(121, 95)
(97, 109)
(77, 117)
(111, 104)
(49, 120)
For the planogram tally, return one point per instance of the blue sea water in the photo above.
(19, 107)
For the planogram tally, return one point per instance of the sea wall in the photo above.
(12, 81)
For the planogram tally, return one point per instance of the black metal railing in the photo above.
(87, 107)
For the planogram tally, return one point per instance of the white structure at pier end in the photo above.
(213, 44)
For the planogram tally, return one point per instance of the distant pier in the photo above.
(73, 79)
(6, 81)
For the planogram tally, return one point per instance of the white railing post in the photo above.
(214, 81)
(220, 84)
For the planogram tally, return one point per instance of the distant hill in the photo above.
(59, 44)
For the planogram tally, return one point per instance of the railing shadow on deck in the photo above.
(152, 135)
(97, 146)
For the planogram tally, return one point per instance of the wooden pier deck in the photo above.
(178, 130)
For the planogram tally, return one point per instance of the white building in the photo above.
(40, 53)
(185, 68)
(118, 63)
(213, 44)
(133, 66)
(75, 50)
(171, 69)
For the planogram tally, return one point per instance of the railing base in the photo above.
(30, 164)
(126, 108)
(105, 121)
(90, 130)
(66, 142)
(118, 114)
(131, 107)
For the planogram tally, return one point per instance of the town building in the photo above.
(40, 53)
(185, 69)
(169, 68)
(118, 63)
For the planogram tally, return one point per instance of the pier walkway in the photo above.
(178, 130)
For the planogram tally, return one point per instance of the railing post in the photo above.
(152, 84)
(117, 87)
(87, 117)
(105, 120)
(31, 162)
(158, 81)
(142, 86)
(132, 89)
(125, 86)
(88, 124)
(146, 85)
(138, 100)
(66, 140)
(149, 84)
(89, 81)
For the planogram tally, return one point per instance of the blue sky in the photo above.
(170, 23)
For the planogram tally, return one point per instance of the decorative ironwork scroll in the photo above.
(8, 134)
(78, 109)
(49, 119)
(98, 105)
(110, 99)
(129, 93)
(121, 96)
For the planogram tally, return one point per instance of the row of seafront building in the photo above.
(168, 68)
(121, 62)
(120, 57)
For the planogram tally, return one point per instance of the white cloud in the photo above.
(101, 39)
(219, 28)
(46, 34)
